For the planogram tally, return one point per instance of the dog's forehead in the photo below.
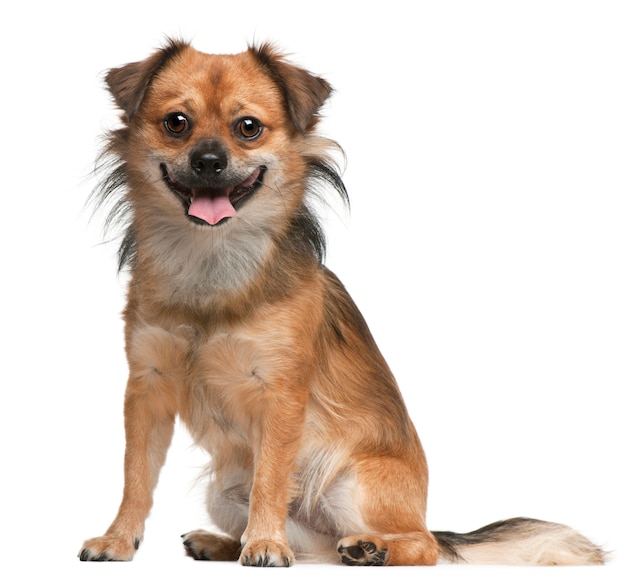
(215, 81)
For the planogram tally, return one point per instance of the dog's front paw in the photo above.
(108, 548)
(266, 553)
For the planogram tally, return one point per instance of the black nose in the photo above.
(208, 159)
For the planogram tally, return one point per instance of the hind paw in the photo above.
(359, 552)
(202, 545)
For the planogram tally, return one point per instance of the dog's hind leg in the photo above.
(408, 549)
(391, 500)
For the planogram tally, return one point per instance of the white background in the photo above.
(486, 147)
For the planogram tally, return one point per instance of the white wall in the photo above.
(485, 144)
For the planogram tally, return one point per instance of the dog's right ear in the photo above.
(128, 84)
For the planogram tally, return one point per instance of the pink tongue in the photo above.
(212, 207)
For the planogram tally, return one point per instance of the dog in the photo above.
(234, 325)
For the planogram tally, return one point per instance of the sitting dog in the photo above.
(234, 325)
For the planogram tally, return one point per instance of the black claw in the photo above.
(137, 543)
(84, 555)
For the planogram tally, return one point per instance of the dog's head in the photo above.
(218, 136)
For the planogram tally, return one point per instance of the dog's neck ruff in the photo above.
(198, 264)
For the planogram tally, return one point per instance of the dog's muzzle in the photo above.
(210, 205)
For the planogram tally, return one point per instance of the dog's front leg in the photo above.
(149, 417)
(264, 540)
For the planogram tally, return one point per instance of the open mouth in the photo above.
(208, 205)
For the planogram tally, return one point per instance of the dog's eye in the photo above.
(176, 123)
(249, 128)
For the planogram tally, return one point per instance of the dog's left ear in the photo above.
(304, 92)
(128, 84)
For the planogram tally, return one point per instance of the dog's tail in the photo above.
(519, 541)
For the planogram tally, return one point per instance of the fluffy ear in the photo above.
(304, 92)
(128, 84)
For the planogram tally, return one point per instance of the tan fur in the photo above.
(240, 331)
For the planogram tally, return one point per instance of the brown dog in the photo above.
(233, 324)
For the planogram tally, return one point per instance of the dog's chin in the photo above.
(229, 198)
